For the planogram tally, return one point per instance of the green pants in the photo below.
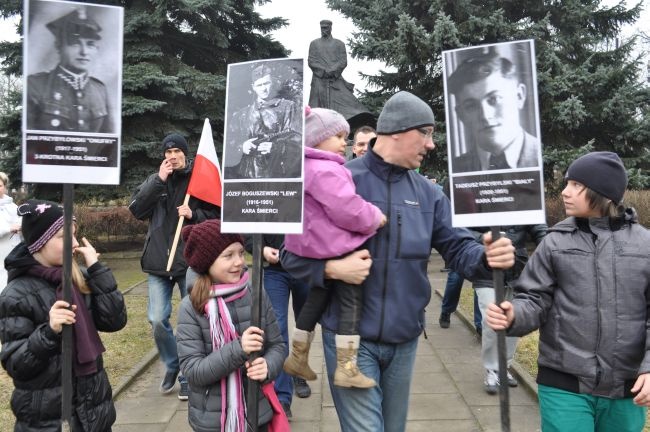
(563, 411)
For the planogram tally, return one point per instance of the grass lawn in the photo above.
(123, 349)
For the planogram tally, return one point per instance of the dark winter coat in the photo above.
(157, 201)
(587, 288)
(398, 289)
(31, 350)
(204, 368)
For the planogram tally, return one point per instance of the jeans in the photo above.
(278, 284)
(489, 349)
(452, 297)
(159, 310)
(381, 408)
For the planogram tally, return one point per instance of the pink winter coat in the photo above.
(336, 219)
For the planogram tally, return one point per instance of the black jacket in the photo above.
(31, 351)
(157, 201)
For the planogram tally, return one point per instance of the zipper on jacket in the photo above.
(387, 257)
(399, 234)
(205, 399)
(599, 323)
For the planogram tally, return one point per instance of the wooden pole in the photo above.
(66, 364)
(499, 295)
(177, 235)
(256, 320)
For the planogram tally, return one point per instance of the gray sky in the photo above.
(303, 27)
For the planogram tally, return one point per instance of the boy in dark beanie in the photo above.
(585, 289)
(160, 200)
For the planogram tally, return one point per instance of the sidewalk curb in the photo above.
(132, 287)
(527, 381)
(135, 372)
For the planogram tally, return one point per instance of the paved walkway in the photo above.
(446, 394)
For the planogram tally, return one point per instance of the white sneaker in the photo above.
(512, 381)
(491, 381)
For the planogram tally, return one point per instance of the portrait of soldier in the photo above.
(264, 138)
(490, 98)
(68, 98)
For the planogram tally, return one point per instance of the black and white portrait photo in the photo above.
(493, 135)
(73, 63)
(72, 98)
(492, 113)
(264, 117)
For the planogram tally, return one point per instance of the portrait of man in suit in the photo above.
(490, 98)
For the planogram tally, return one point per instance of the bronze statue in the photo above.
(327, 60)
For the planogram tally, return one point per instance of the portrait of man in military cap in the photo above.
(492, 108)
(264, 136)
(68, 96)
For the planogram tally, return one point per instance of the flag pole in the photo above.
(179, 226)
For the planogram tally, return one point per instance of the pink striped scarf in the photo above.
(222, 331)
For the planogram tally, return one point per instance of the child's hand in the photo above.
(252, 339)
(642, 390)
(383, 220)
(60, 314)
(88, 251)
(500, 317)
(257, 370)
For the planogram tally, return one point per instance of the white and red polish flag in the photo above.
(205, 183)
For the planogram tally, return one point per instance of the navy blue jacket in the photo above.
(397, 289)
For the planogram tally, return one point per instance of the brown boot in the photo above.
(347, 373)
(297, 364)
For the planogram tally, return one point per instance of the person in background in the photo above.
(450, 301)
(392, 318)
(586, 289)
(362, 137)
(451, 295)
(279, 286)
(32, 316)
(484, 289)
(215, 336)
(159, 199)
(9, 226)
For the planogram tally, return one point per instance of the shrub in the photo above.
(109, 224)
(639, 199)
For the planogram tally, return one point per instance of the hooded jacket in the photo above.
(336, 219)
(157, 201)
(586, 288)
(31, 350)
(398, 289)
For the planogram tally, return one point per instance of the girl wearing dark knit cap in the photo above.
(32, 315)
(587, 289)
(215, 337)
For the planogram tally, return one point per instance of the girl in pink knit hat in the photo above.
(337, 222)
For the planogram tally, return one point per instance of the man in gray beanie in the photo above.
(392, 268)
(160, 200)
